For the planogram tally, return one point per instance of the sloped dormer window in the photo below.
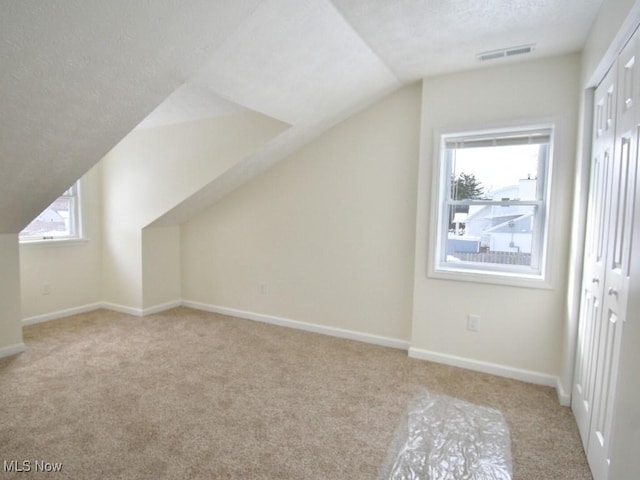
(492, 205)
(60, 221)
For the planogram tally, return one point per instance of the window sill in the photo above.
(60, 242)
(522, 280)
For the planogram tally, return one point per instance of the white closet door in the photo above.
(616, 274)
(595, 253)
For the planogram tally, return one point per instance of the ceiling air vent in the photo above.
(505, 52)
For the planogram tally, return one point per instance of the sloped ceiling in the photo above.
(77, 76)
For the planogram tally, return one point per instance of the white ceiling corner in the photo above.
(419, 38)
(295, 61)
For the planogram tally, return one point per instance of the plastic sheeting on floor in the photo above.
(444, 438)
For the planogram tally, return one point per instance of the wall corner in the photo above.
(10, 310)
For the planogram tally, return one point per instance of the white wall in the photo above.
(10, 326)
(150, 172)
(73, 271)
(521, 328)
(329, 231)
(162, 282)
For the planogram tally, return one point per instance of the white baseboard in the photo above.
(12, 350)
(485, 367)
(161, 308)
(141, 312)
(136, 312)
(564, 397)
(309, 327)
(60, 314)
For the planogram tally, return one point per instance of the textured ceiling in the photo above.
(77, 76)
(295, 60)
(418, 38)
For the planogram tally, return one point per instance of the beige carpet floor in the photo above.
(187, 395)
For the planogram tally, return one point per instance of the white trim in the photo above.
(161, 307)
(564, 397)
(487, 276)
(136, 312)
(45, 317)
(12, 350)
(141, 312)
(55, 242)
(309, 327)
(485, 367)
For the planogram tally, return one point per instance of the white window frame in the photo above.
(438, 267)
(73, 193)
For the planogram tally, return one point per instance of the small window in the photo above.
(59, 221)
(492, 204)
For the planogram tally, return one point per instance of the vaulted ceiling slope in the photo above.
(77, 76)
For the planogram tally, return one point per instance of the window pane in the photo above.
(493, 213)
(54, 221)
(494, 234)
(496, 173)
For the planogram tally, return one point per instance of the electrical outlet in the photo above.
(473, 322)
(263, 288)
(45, 288)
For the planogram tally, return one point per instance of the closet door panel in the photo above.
(595, 254)
(620, 211)
(614, 309)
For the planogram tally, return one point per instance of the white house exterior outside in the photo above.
(496, 228)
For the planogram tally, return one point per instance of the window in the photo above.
(59, 221)
(492, 207)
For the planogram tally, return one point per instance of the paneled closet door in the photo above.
(595, 253)
(616, 274)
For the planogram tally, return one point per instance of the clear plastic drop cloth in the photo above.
(444, 438)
